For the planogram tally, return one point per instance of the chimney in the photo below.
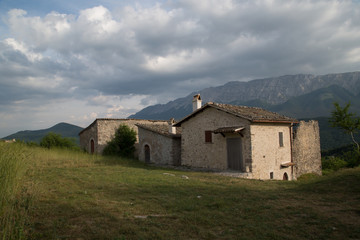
(196, 102)
(172, 129)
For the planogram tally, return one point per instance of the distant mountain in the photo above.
(267, 93)
(64, 129)
(318, 103)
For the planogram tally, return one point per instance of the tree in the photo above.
(123, 143)
(52, 140)
(348, 122)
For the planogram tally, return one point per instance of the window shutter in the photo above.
(208, 136)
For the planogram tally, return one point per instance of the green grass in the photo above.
(80, 196)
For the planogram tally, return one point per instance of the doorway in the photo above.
(234, 153)
(147, 153)
(285, 177)
(92, 146)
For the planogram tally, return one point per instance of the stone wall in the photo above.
(195, 152)
(306, 148)
(88, 134)
(164, 150)
(267, 154)
(103, 131)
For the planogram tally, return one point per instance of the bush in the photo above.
(333, 163)
(123, 143)
(352, 158)
(52, 140)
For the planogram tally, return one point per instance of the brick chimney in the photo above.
(196, 102)
(172, 129)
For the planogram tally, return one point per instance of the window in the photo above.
(271, 175)
(281, 139)
(208, 137)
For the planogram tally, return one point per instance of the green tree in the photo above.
(123, 143)
(348, 122)
(52, 140)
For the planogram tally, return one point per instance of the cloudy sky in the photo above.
(74, 61)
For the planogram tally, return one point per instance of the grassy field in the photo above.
(70, 195)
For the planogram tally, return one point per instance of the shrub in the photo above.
(52, 140)
(333, 163)
(123, 143)
(352, 158)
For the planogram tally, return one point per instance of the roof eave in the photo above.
(274, 121)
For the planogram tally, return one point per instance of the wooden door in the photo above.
(234, 153)
(147, 153)
(92, 146)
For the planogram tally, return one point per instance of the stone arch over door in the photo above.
(147, 153)
(92, 146)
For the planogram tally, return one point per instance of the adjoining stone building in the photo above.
(159, 144)
(95, 137)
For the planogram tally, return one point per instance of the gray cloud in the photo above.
(99, 58)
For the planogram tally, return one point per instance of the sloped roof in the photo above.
(253, 114)
(229, 129)
(118, 119)
(160, 129)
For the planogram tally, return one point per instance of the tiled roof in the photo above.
(253, 114)
(228, 129)
(120, 120)
(160, 129)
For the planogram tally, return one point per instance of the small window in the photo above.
(271, 175)
(208, 137)
(281, 139)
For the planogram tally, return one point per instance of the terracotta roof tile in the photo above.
(253, 114)
(160, 129)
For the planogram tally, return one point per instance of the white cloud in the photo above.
(22, 48)
(115, 60)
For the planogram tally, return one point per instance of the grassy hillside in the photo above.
(64, 129)
(80, 196)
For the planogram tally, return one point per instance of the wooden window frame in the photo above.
(281, 139)
(208, 136)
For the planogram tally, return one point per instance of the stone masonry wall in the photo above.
(306, 148)
(267, 154)
(196, 153)
(103, 130)
(164, 150)
(86, 136)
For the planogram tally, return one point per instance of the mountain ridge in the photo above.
(64, 129)
(269, 91)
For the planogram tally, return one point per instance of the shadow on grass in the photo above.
(172, 209)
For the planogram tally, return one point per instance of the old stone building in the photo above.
(159, 144)
(250, 140)
(95, 137)
(253, 142)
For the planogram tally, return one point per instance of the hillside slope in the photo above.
(64, 129)
(318, 103)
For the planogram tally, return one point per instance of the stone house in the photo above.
(254, 142)
(159, 144)
(95, 137)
